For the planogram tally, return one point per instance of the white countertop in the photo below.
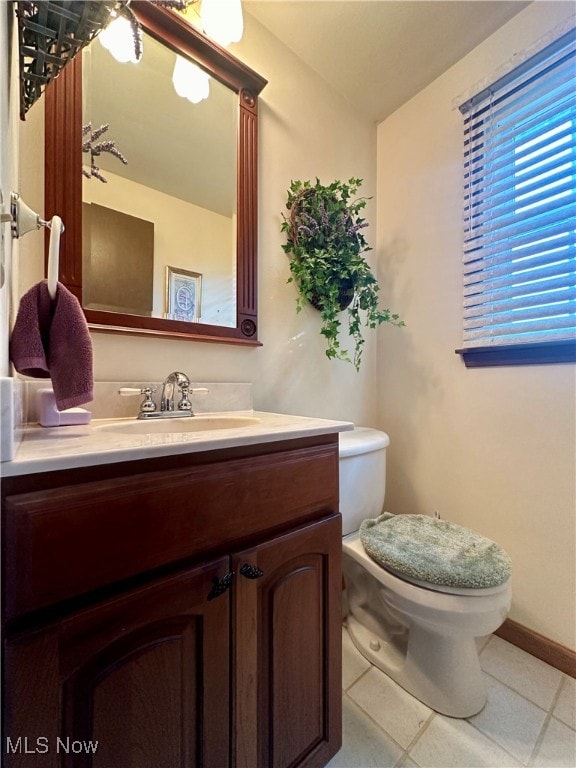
(46, 449)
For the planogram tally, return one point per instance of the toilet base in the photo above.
(442, 672)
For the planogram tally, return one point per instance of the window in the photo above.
(520, 214)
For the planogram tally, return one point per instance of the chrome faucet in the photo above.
(167, 410)
(180, 380)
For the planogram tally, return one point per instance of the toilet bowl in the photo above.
(422, 635)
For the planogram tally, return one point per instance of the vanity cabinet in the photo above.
(182, 611)
(143, 677)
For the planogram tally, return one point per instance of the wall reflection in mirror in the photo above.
(173, 204)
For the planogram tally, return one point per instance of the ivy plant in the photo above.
(325, 242)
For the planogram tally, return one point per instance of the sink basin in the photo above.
(179, 426)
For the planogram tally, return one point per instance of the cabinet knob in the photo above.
(251, 571)
(219, 586)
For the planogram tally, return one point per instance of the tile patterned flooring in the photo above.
(528, 720)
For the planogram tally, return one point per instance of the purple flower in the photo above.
(356, 227)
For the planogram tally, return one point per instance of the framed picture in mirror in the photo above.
(183, 295)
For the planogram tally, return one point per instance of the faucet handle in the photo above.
(147, 405)
(127, 391)
(184, 404)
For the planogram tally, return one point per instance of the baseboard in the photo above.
(547, 650)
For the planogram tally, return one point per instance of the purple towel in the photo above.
(51, 340)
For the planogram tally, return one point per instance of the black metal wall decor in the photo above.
(50, 34)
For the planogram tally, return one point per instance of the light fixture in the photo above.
(222, 20)
(123, 37)
(190, 81)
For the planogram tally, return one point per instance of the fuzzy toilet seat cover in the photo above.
(435, 551)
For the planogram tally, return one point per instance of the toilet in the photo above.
(419, 631)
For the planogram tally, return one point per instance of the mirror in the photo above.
(167, 207)
(169, 241)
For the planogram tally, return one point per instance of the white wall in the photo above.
(305, 131)
(10, 400)
(9, 106)
(492, 448)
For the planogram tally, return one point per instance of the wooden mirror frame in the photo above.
(63, 179)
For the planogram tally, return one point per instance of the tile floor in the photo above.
(528, 720)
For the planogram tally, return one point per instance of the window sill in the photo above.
(542, 353)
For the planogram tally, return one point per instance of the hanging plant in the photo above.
(325, 242)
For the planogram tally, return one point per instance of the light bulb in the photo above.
(222, 20)
(190, 81)
(179, 78)
(118, 38)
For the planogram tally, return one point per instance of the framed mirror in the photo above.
(167, 246)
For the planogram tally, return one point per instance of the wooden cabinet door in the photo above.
(287, 649)
(138, 681)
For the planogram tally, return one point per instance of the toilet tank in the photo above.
(362, 475)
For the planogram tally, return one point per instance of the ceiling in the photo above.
(379, 53)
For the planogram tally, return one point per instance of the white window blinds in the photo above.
(520, 204)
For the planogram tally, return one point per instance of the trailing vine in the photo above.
(326, 243)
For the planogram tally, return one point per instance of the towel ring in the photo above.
(49, 224)
(24, 219)
(56, 228)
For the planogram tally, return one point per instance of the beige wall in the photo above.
(305, 131)
(494, 448)
(9, 110)
(4, 175)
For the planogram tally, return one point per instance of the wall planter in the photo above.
(326, 244)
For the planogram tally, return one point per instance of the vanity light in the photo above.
(190, 81)
(119, 38)
(222, 20)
